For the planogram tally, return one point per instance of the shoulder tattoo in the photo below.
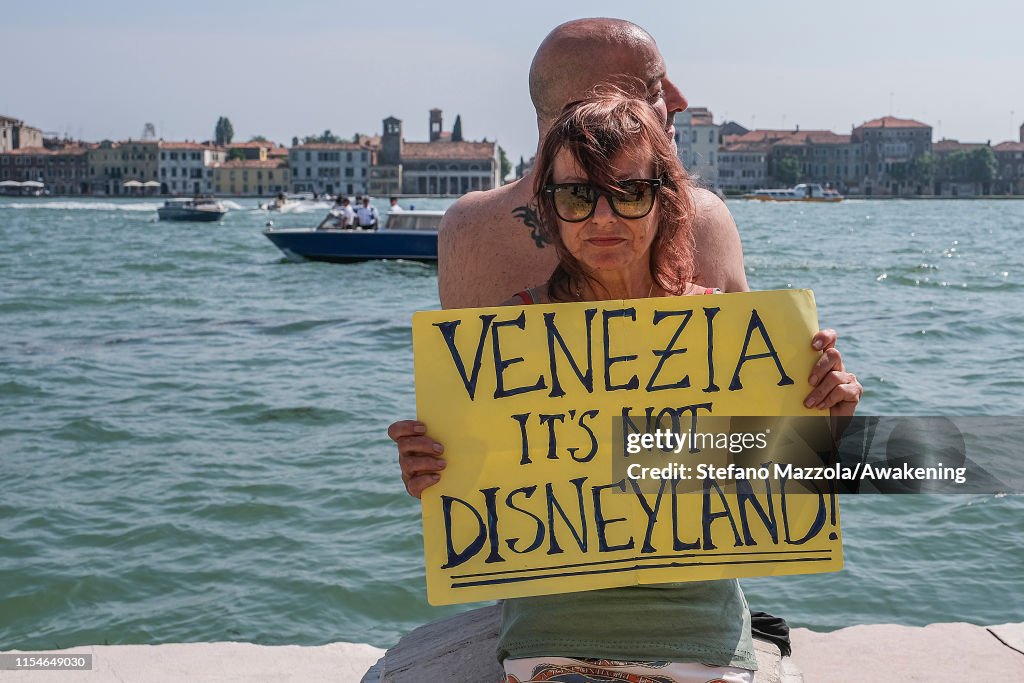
(528, 215)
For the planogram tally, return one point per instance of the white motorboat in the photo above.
(195, 209)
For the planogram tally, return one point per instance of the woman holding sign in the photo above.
(614, 204)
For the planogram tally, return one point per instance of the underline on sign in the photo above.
(636, 567)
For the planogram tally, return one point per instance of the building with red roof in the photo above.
(442, 166)
(252, 177)
(62, 171)
(889, 147)
(187, 167)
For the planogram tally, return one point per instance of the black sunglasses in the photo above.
(576, 202)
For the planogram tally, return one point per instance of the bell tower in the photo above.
(391, 142)
(435, 125)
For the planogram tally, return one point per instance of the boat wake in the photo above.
(306, 207)
(81, 206)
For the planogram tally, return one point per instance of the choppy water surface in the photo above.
(192, 429)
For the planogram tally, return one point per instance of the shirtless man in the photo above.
(489, 245)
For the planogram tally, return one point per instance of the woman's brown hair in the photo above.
(595, 131)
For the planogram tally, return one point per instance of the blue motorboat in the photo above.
(410, 235)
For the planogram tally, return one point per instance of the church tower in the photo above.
(391, 142)
(435, 125)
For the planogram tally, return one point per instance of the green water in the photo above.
(193, 430)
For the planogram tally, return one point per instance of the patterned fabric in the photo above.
(567, 670)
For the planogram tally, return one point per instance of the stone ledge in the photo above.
(889, 652)
(219, 662)
(461, 648)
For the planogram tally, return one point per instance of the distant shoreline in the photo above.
(892, 197)
(161, 197)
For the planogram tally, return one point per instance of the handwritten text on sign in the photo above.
(530, 403)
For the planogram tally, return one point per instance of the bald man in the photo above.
(490, 247)
(490, 244)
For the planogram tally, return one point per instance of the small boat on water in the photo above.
(410, 235)
(804, 192)
(196, 209)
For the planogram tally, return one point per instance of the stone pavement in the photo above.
(461, 649)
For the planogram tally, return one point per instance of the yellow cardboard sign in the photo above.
(538, 407)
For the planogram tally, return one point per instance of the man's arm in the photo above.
(719, 257)
(453, 269)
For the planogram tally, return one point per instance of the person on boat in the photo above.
(346, 214)
(394, 208)
(340, 217)
(367, 215)
(614, 203)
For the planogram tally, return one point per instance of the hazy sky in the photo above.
(102, 69)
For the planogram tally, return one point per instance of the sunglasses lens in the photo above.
(634, 200)
(574, 202)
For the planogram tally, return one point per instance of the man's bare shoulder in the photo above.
(477, 212)
(719, 255)
(489, 246)
(711, 211)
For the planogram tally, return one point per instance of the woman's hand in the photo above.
(417, 455)
(834, 387)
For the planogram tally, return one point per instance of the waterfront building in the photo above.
(14, 134)
(332, 168)
(742, 166)
(386, 174)
(955, 175)
(62, 171)
(442, 166)
(823, 157)
(1010, 166)
(187, 167)
(105, 168)
(252, 177)
(889, 146)
(449, 168)
(697, 142)
(746, 161)
(140, 157)
(112, 164)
